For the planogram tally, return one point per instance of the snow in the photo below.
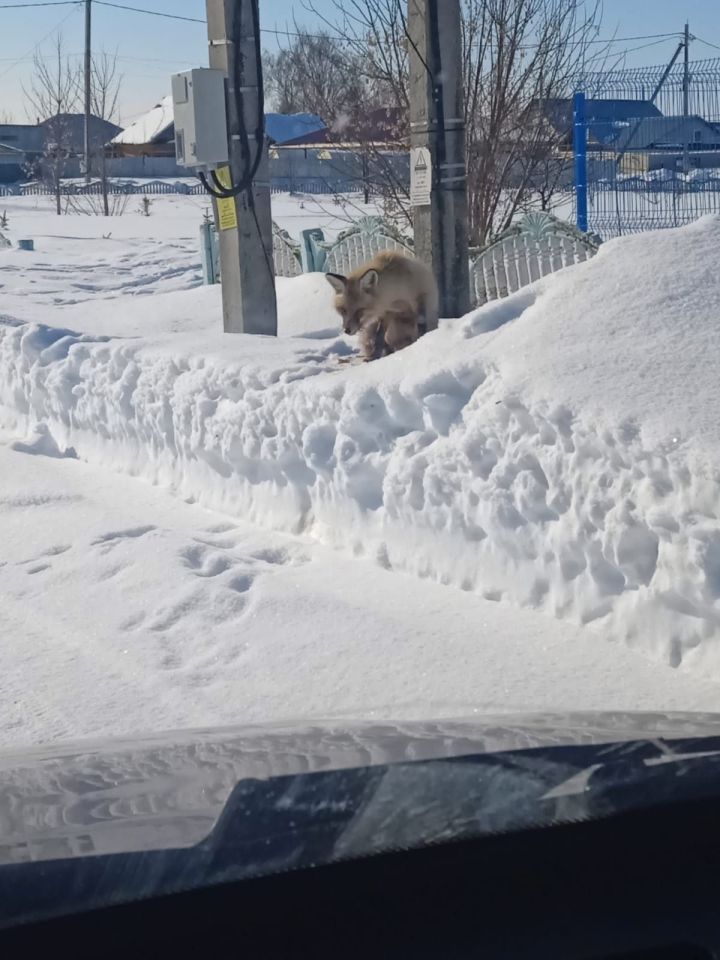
(623, 336)
(126, 611)
(280, 127)
(557, 452)
(150, 125)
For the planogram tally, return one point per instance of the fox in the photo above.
(387, 302)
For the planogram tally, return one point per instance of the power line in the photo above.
(39, 3)
(76, 4)
(308, 36)
(301, 33)
(644, 46)
(150, 13)
(606, 42)
(707, 43)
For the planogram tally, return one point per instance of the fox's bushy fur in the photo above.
(388, 302)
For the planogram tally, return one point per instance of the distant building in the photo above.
(667, 133)
(73, 126)
(12, 163)
(606, 119)
(26, 137)
(634, 132)
(31, 140)
(153, 134)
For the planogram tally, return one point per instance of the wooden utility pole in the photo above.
(437, 163)
(88, 86)
(244, 222)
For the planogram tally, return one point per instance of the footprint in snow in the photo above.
(115, 536)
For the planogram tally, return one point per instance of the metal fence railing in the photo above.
(651, 144)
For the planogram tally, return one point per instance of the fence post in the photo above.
(208, 253)
(312, 256)
(580, 151)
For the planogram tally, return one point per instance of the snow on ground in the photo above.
(556, 451)
(127, 611)
(82, 258)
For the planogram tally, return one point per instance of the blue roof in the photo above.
(605, 118)
(282, 127)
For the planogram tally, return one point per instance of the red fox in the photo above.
(388, 302)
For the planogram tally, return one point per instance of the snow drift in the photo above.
(558, 449)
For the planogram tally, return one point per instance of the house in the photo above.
(606, 119)
(284, 128)
(153, 134)
(382, 127)
(27, 137)
(73, 131)
(667, 133)
(31, 140)
(636, 134)
(12, 163)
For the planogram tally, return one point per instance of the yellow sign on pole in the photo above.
(227, 214)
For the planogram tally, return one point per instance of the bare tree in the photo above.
(105, 90)
(52, 96)
(373, 121)
(518, 57)
(314, 74)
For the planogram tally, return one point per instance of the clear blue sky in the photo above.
(152, 48)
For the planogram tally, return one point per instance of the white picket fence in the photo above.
(536, 246)
(533, 248)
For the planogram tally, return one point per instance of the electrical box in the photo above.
(200, 126)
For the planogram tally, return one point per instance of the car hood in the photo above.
(163, 791)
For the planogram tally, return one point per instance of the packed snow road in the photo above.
(125, 610)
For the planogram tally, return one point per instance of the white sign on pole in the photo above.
(420, 177)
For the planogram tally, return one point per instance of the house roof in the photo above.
(155, 126)
(285, 127)
(605, 118)
(6, 150)
(664, 132)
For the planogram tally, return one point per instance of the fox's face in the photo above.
(356, 298)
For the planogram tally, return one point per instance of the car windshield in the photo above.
(359, 372)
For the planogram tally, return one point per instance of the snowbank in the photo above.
(558, 449)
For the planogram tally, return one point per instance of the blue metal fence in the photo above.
(646, 145)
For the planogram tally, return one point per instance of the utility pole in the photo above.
(686, 100)
(244, 221)
(438, 191)
(88, 85)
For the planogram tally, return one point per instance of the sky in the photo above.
(150, 48)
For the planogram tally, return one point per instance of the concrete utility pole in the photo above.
(437, 161)
(244, 222)
(686, 99)
(88, 86)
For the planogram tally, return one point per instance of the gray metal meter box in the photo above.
(199, 111)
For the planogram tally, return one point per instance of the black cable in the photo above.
(217, 189)
(150, 13)
(219, 195)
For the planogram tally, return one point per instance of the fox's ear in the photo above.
(369, 280)
(337, 281)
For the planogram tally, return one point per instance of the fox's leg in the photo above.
(371, 340)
